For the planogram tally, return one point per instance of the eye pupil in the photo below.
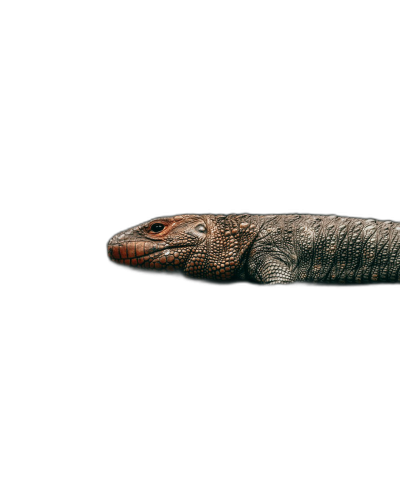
(157, 227)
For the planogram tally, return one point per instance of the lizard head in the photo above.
(203, 246)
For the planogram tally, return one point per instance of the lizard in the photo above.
(270, 249)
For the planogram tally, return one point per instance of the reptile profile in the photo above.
(265, 248)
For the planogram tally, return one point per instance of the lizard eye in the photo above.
(157, 227)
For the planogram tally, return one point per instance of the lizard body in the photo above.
(265, 248)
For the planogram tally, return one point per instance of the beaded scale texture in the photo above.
(265, 248)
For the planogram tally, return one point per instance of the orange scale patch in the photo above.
(139, 249)
(123, 251)
(131, 249)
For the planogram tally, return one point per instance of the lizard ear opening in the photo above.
(201, 228)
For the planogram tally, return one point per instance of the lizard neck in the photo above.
(222, 255)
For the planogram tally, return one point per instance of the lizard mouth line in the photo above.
(164, 252)
(158, 260)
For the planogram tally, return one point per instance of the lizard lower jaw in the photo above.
(155, 257)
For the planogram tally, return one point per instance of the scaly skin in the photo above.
(265, 248)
